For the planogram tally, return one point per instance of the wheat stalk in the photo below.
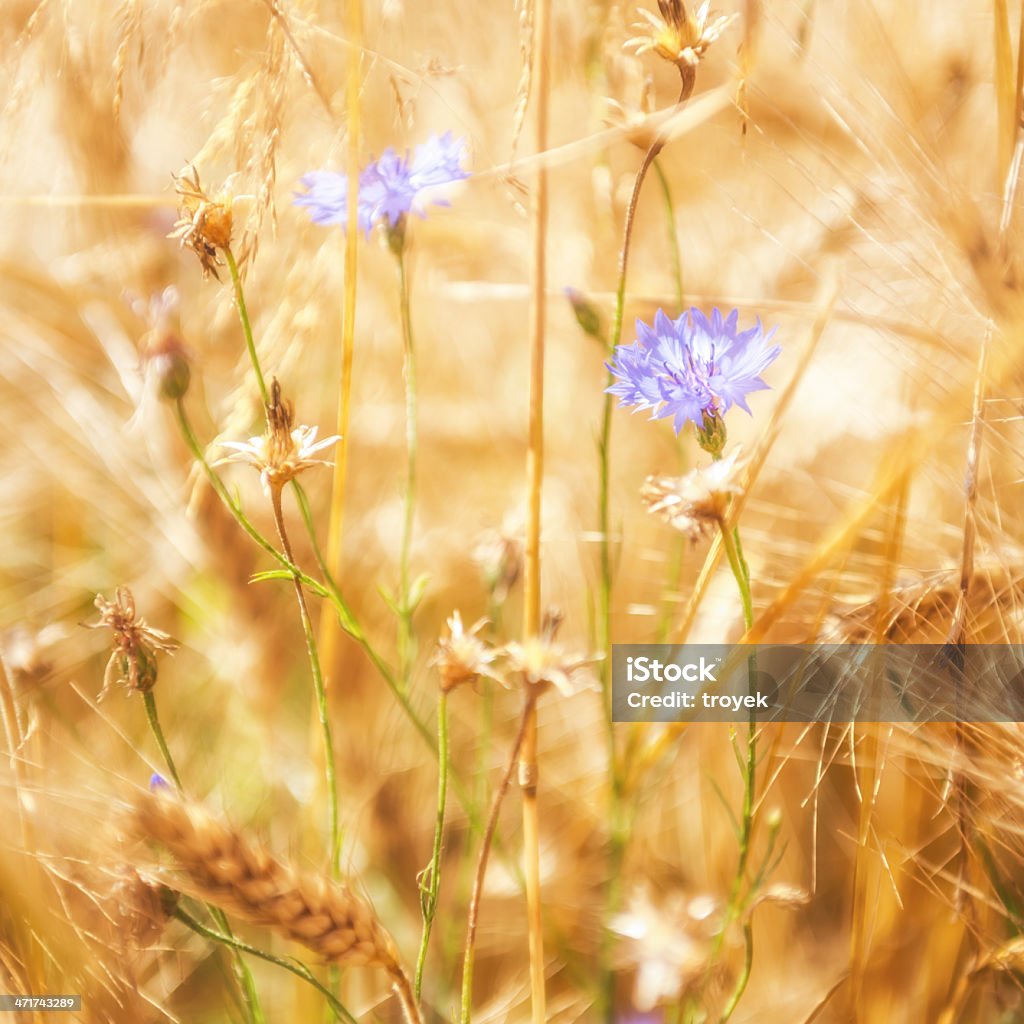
(228, 869)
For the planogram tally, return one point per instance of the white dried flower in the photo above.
(696, 502)
(462, 657)
(283, 451)
(666, 944)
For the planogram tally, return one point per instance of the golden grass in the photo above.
(862, 195)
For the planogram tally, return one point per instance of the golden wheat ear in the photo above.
(231, 871)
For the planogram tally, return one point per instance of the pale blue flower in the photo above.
(389, 187)
(693, 368)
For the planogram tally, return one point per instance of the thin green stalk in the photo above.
(406, 608)
(736, 903)
(320, 692)
(296, 967)
(243, 315)
(604, 442)
(154, 724)
(430, 884)
(350, 624)
(604, 528)
(242, 973)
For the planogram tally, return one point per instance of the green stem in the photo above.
(242, 973)
(318, 686)
(350, 624)
(406, 610)
(297, 968)
(154, 724)
(604, 512)
(430, 886)
(734, 908)
(243, 315)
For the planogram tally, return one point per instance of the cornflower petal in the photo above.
(692, 369)
(390, 187)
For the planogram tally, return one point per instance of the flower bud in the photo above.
(586, 315)
(711, 436)
(168, 362)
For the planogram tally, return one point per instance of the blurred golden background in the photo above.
(845, 171)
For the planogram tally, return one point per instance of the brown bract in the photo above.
(283, 451)
(677, 36)
(136, 644)
(204, 222)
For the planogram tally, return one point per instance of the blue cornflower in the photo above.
(389, 187)
(693, 369)
(157, 782)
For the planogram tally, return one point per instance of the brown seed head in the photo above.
(136, 645)
(283, 451)
(204, 222)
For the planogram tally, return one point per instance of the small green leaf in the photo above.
(417, 590)
(271, 574)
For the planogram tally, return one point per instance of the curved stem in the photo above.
(481, 864)
(154, 724)
(432, 886)
(318, 686)
(297, 968)
(604, 443)
(688, 77)
(406, 609)
(243, 315)
(734, 908)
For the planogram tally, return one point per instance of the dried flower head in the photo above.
(666, 944)
(541, 663)
(677, 36)
(462, 657)
(136, 645)
(693, 369)
(389, 187)
(283, 451)
(696, 502)
(499, 556)
(204, 222)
